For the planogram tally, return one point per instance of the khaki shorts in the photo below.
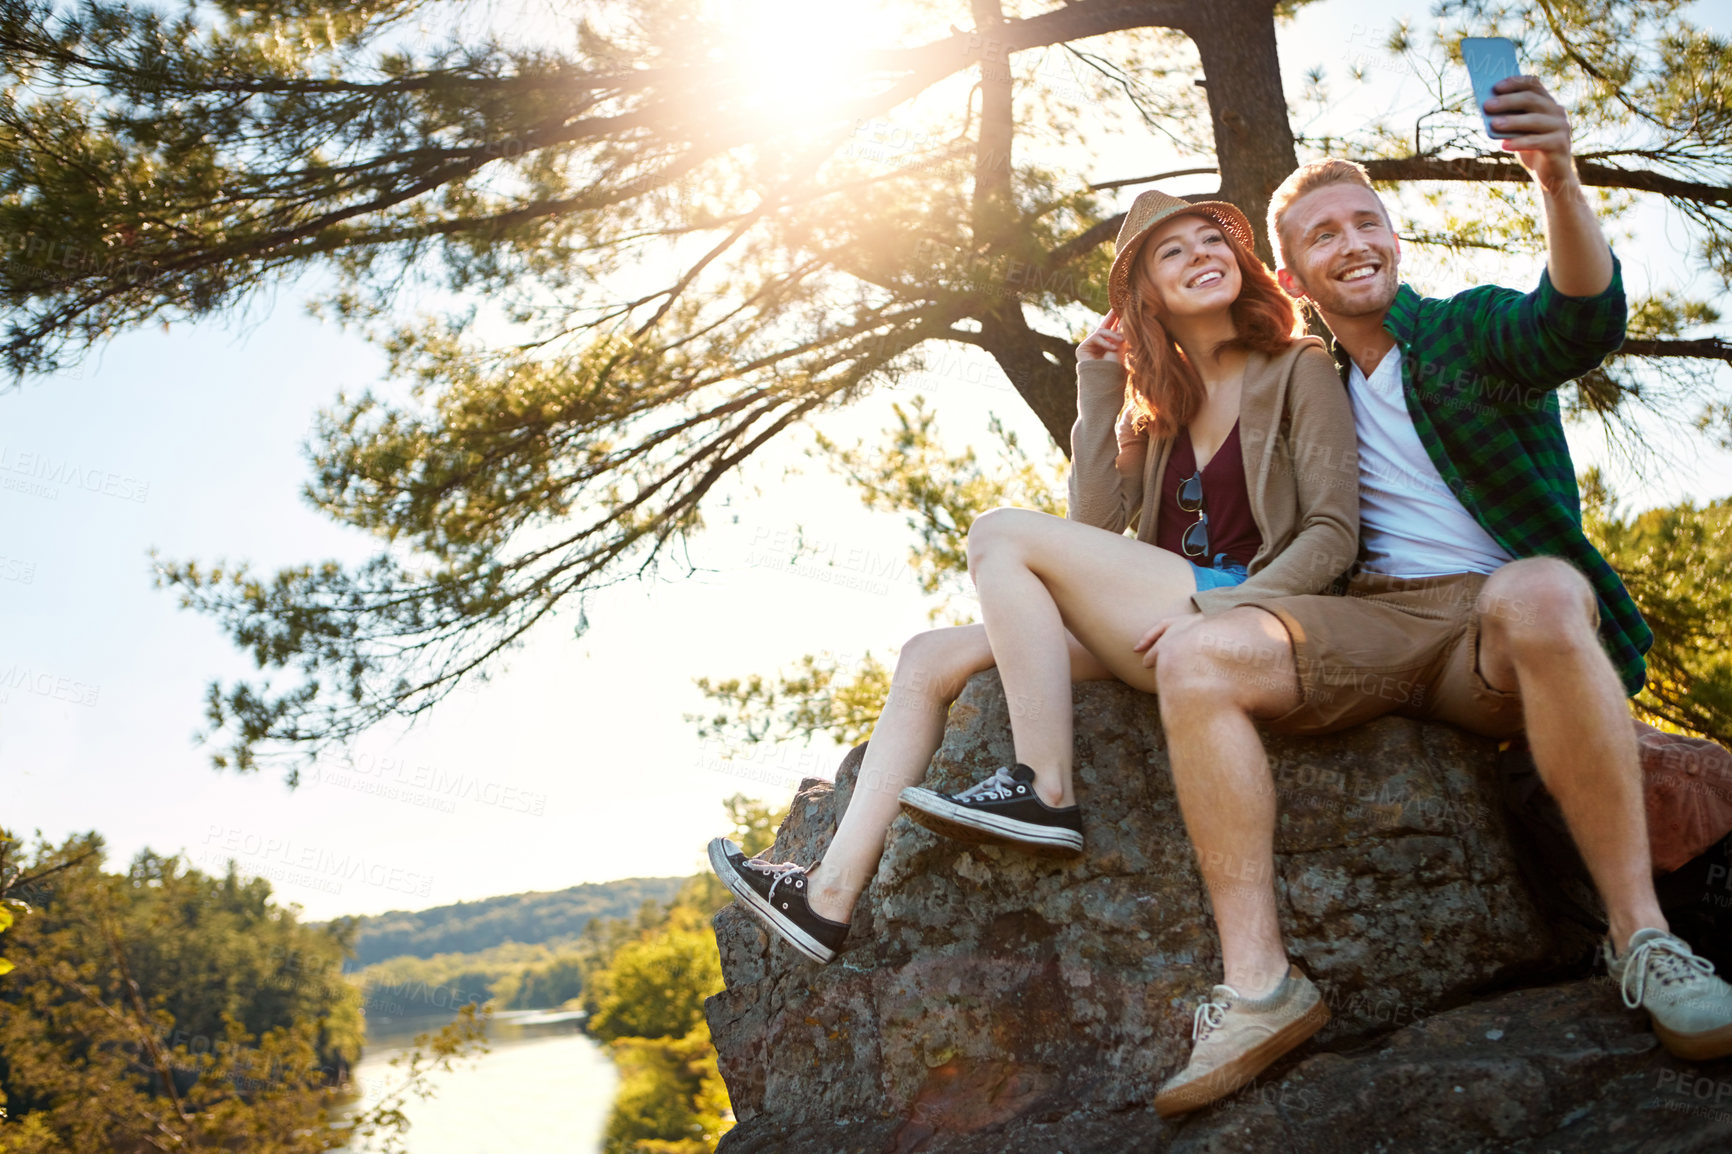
(1392, 645)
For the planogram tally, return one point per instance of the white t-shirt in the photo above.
(1410, 524)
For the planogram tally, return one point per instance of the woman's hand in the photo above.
(1106, 343)
(1165, 627)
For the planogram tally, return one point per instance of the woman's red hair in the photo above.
(1163, 383)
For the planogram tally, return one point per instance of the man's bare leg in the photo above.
(1214, 675)
(1538, 638)
(1536, 621)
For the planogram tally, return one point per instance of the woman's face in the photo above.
(1187, 267)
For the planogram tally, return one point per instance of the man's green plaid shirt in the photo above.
(1480, 372)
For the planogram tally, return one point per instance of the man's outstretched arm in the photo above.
(1580, 260)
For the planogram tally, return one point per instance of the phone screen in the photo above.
(1489, 59)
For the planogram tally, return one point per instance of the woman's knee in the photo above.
(995, 529)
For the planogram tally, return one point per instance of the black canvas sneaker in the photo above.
(1003, 808)
(776, 892)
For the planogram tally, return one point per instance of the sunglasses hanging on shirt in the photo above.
(1195, 542)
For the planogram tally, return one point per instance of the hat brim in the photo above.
(1232, 221)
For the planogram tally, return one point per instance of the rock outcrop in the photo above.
(991, 1001)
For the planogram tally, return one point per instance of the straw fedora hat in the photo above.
(1153, 207)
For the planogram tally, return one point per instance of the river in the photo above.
(542, 1088)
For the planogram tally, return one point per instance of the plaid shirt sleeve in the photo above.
(1543, 339)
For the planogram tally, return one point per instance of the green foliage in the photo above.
(518, 475)
(1674, 562)
(1670, 315)
(566, 424)
(166, 1009)
(819, 697)
(501, 977)
(555, 982)
(655, 988)
(644, 986)
(908, 470)
(755, 823)
(472, 927)
(209, 948)
(647, 1003)
(557, 972)
(671, 1098)
(664, 263)
(941, 493)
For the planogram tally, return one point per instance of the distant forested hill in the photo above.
(469, 927)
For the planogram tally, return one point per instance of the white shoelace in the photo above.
(995, 788)
(1209, 1017)
(1672, 962)
(778, 872)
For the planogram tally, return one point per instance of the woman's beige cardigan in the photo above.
(1301, 470)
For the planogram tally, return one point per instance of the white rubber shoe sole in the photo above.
(939, 814)
(768, 914)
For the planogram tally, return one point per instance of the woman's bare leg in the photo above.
(930, 673)
(1040, 576)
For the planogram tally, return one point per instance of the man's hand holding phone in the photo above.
(1518, 111)
(1537, 129)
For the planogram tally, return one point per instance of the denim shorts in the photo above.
(1221, 575)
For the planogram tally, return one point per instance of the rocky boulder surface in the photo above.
(987, 1000)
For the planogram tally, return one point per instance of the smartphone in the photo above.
(1489, 59)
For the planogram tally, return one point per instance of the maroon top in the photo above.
(1232, 529)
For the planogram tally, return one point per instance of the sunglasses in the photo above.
(1195, 542)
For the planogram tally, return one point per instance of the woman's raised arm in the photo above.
(1106, 484)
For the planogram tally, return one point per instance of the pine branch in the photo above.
(1592, 174)
(1706, 348)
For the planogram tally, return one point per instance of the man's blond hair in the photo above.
(1308, 178)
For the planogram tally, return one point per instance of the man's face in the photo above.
(1341, 252)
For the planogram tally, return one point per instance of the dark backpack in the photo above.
(1696, 897)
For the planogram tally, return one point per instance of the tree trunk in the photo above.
(1253, 139)
(1253, 148)
(1047, 388)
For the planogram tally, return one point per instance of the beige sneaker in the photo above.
(1238, 1038)
(1690, 1007)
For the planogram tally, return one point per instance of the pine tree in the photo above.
(664, 263)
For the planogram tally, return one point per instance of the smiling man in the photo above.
(1477, 600)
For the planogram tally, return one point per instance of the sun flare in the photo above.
(797, 64)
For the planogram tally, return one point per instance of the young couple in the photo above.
(1442, 467)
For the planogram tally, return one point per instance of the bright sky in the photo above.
(574, 765)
